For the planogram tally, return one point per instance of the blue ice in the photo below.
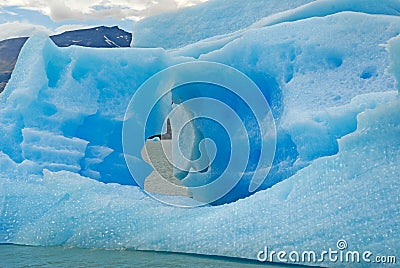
(329, 76)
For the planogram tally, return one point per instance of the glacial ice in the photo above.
(329, 79)
(216, 20)
(196, 23)
(352, 195)
(394, 54)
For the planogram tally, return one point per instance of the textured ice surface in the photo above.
(394, 50)
(215, 20)
(337, 115)
(75, 98)
(176, 29)
(306, 70)
(352, 195)
(63, 108)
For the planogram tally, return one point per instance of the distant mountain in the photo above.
(106, 37)
(94, 37)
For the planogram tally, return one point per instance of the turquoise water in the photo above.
(27, 256)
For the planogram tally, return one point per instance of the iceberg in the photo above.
(352, 195)
(328, 73)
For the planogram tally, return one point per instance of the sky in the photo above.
(25, 17)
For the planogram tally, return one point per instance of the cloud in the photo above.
(17, 29)
(59, 10)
